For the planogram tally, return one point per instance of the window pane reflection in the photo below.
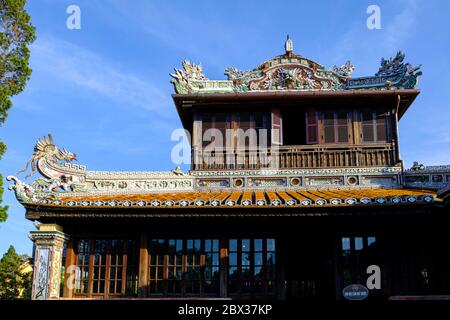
(121, 274)
(358, 243)
(251, 267)
(245, 245)
(184, 267)
(258, 245)
(345, 243)
(271, 258)
(233, 245)
(270, 244)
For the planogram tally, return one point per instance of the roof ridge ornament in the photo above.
(396, 65)
(288, 45)
(346, 70)
(290, 71)
(45, 149)
(182, 78)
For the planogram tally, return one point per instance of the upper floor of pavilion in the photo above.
(295, 111)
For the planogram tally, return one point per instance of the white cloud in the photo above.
(402, 25)
(212, 38)
(397, 26)
(93, 72)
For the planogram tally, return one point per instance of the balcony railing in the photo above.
(292, 157)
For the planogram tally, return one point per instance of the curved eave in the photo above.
(36, 212)
(282, 207)
(39, 206)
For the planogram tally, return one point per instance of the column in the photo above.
(48, 243)
(338, 271)
(280, 267)
(143, 266)
(395, 129)
(223, 265)
(69, 279)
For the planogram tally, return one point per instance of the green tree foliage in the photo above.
(12, 281)
(3, 209)
(16, 34)
(27, 282)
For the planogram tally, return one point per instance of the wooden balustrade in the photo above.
(294, 157)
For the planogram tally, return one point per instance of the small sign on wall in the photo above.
(355, 292)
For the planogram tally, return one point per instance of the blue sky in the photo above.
(104, 92)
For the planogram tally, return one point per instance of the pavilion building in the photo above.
(296, 191)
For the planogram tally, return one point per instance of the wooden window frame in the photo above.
(336, 126)
(240, 280)
(374, 126)
(308, 125)
(356, 270)
(127, 265)
(198, 264)
(98, 277)
(80, 279)
(276, 125)
(122, 276)
(233, 120)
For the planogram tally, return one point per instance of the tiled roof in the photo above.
(444, 193)
(250, 198)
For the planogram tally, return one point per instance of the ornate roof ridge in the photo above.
(165, 174)
(420, 168)
(290, 71)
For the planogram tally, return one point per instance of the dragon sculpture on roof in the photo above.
(191, 72)
(52, 163)
(46, 149)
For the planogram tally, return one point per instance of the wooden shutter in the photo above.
(277, 127)
(245, 123)
(197, 134)
(207, 123)
(342, 124)
(374, 126)
(262, 123)
(381, 127)
(221, 123)
(312, 134)
(336, 127)
(368, 132)
(329, 130)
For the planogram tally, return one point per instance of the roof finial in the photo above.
(288, 45)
